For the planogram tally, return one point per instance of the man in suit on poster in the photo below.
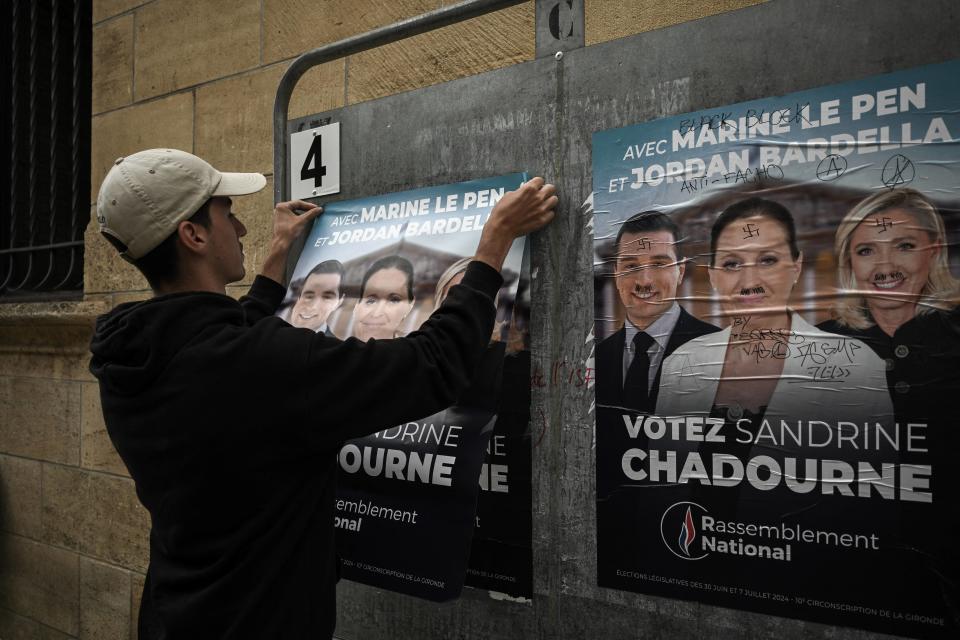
(319, 295)
(649, 270)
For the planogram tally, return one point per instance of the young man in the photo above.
(318, 295)
(229, 419)
(649, 269)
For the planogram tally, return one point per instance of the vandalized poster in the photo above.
(375, 269)
(778, 343)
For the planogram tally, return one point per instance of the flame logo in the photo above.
(684, 514)
(687, 533)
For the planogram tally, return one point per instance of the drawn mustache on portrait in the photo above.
(752, 291)
(893, 276)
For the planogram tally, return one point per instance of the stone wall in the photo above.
(198, 75)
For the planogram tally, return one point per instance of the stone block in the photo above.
(320, 89)
(167, 122)
(118, 526)
(611, 19)
(104, 270)
(112, 82)
(64, 511)
(104, 601)
(136, 594)
(35, 350)
(291, 27)
(15, 627)
(103, 9)
(181, 43)
(237, 291)
(19, 496)
(256, 213)
(51, 313)
(131, 296)
(48, 633)
(96, 514)
(234, 119)
(489, 42)
(41, 419)
(96, 450)
(40, 582)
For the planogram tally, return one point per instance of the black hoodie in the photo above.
(229, 421)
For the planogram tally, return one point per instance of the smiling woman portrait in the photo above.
(892, 262)
(898, 296)
(760, 365)
(386, 297)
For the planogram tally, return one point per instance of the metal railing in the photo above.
(376, 38)
(44, 204)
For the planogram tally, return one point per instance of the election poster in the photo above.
(777, 349)
(501, 557)
(376, 268)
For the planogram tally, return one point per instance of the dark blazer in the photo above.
(610, 360)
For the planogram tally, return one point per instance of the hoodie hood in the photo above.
(133, 344)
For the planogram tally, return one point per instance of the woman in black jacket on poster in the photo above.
(898, 296)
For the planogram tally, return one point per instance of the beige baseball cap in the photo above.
(146, 195)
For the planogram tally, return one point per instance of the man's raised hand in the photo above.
(518, 213)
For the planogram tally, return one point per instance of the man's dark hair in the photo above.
(647, 222)
(162, 264)
(749, 208)
(390, 262)
(327, 266)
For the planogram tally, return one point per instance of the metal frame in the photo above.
(369, 40)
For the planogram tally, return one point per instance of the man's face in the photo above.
(318, 299)
(225, 232)
(647, 275)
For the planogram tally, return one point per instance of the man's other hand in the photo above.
(518, 213)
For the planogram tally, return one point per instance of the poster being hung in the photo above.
(501, 557)
(376, 268)
(778, 346)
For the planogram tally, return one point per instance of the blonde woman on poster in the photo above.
(899, 297)
(452, 276)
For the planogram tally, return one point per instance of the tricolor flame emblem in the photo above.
(687, 533)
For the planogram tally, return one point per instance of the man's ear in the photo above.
(193, 237)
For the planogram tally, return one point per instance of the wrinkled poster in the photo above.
(777, 349)
(407, 496)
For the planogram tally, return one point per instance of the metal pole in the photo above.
(369, 40)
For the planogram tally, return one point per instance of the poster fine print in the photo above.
(778, 350)
(376, 269)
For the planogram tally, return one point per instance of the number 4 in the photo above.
(313, 157)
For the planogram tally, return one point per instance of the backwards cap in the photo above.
(146, 195)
